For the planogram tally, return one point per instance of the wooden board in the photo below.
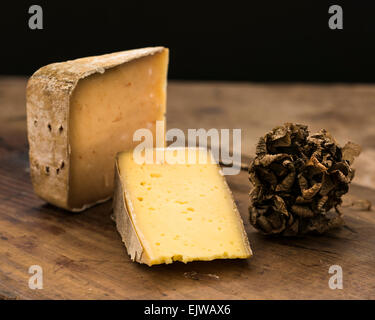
(83, 257)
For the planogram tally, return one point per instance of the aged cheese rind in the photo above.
(124, 223)
(136, 244)
(123, 220)
(48, 102)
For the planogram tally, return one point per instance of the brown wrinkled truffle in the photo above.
(297, 179)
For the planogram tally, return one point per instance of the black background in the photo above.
(209, 40)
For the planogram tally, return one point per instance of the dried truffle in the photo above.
(298, 179)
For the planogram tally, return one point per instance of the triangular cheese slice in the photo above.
(177, 212)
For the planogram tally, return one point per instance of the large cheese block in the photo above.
(81, 113)
(176, 210)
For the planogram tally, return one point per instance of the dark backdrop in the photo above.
(260, 41)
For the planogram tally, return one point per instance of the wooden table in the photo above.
(83, 257)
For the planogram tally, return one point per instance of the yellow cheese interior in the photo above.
(105, 110)
(182, 212)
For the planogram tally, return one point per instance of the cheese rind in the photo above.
(176, 212)
(54, 95)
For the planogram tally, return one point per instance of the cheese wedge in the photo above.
(177, 212)
(81, 113)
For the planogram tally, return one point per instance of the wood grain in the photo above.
(83, 257)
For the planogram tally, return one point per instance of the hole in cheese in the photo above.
(180, 202)
(155, 175)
